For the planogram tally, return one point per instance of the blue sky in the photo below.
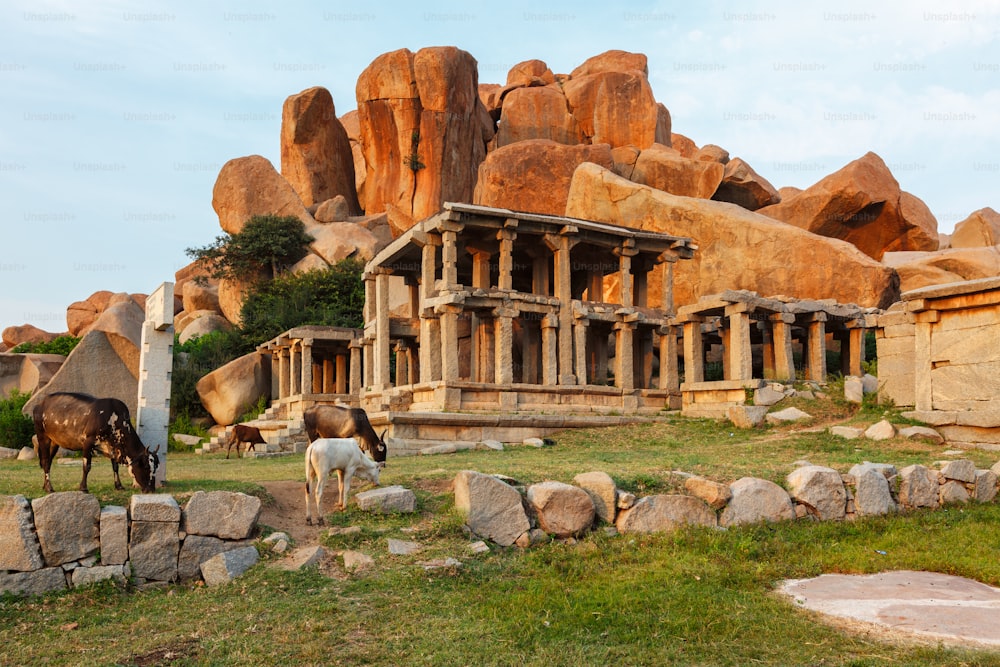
(117, 115)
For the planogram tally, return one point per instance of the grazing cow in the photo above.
(340, 421)
(344, 455)
(84, 423)
(243, 433)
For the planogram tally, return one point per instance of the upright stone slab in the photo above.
(196, 549)
(492, 508)
(114, 535)
(154, 543)
(872, 496)
(986, 486)
(225, 514)
(156, 356)
(68, 526)
(225, 567)
(19, 548)
(602, 490)
(819, 488)
(918, 487)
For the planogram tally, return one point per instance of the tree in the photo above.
(267, 246)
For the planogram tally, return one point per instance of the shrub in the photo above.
(60, 345)
(268, 245)
(15, 428)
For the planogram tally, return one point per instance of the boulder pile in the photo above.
(501, 510)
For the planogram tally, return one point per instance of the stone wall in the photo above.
(499, 509)
(67, 539)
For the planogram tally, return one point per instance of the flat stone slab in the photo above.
(927, 605)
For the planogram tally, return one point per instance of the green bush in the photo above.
(196, 358)
(15, 428)
(331, 297)
(266, 247)
(60, 345)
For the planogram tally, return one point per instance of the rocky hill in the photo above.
(593, 144)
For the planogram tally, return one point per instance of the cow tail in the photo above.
(308, 466)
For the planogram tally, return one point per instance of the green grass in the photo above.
(692, 597)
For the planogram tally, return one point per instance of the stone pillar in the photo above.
(624, 356)
(767, 348)
(480, 269)
(506, 237)
(854, 354)
(503, 343)
(667, 286)
(595, 285)
(564, 292)
(923, 394)
(644, 359)
(295, 369)
(401, 349)
(580, 326)
(540, 276)
(669, 375)
(485, 353)
(597, 343)
(550, 356)
(430, 347)
(640, 283)
(816, 352)
(625, 255)
(531, 352)
(357, 373)
(341, 374)
(329, 376)
(781, 334)
(738, 349)
(284, 372)
(448, 316)
(156, 356)
(449, 259)
(694, 352)
(307, 366)
(382, 378)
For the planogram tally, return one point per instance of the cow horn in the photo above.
(381, 435)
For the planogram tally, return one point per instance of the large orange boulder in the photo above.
(249, 186)
(981, 228)
(614, 107)
(26, 333)
(352, 126)
(663, 168)
(922, 269)
(737, 249)
(423, 130)
(316, 157)
(537, 113)
(860, 203)
(534, 175)
(612, 61)
(743, 186)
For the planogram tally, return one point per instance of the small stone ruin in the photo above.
(65, 540)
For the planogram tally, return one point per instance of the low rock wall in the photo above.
(67, 539)
(499, 509)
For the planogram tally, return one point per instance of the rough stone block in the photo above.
(820, 489)
(68, 526)
(755, 500)
(602, 491)
(224, 514)
(387, 499)
(36, 582)
(153, 549)
(492, 509)
(19, 548)
(83, 576)
(663, 513)
(196, 549)
(746, 416)
(114, 535)
(562, 509)
(224, 567)
(154, 507)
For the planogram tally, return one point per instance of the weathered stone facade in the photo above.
(937, 351)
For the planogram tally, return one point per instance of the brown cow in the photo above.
(243, 433)
(85, 423)
(341, 421)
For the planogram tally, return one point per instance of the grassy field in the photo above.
(693, 597)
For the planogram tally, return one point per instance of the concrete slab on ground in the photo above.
(924, 605)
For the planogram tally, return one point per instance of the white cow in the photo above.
(344, 455)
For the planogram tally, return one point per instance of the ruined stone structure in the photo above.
(507, 312)
(757, 336)
(938, 353)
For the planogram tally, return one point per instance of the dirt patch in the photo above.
(287, 512)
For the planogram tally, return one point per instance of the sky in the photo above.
(117, 116)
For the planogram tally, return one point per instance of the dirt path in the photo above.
(288, 512)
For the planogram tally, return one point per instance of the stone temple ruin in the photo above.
(489, 324)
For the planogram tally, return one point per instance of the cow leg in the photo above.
(46, 452)
(86, 470)
(320, 483)
(114, 469)
(342, 482)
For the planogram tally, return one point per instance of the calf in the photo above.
(343, 455)
(243, 433)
